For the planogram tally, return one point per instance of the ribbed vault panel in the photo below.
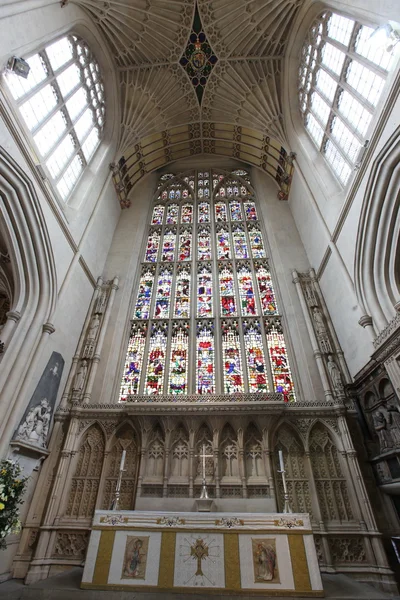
(242, 143)
(245, 93)
(153, 99)
(143, 31)
(247, 27)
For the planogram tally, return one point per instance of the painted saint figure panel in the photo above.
(187, 213)
(220, 212)
(256, 243)
(236, 211)
(250, 210)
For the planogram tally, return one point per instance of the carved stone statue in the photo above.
(319, 322)
(380, 424)
(101, 301)
(393, 420)
(310, 295)
(335, 376)
(80, 377)
(36, 425)
(91, 336)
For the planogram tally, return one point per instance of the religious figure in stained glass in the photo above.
(200, 254)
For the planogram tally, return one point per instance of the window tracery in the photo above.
(341, 78)
(204, 285)
(63, 105)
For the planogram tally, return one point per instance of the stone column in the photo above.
(191, 462)
(313, 339)
(100, 341)
(75, 360)
(242, 469)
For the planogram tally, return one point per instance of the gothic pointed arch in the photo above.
(330, 481)
(179, 453)
(289, 442)
(85, 481)
(156, 454)
(378, 238)
(29, 275)
(229, 453)
(253, 453)
(124, 439)
(204, 443)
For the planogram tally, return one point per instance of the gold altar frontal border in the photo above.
(297, 550)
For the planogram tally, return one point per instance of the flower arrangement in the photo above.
(12, 487)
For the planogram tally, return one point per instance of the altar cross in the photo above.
(203, 456)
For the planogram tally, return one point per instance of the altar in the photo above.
(225, 552)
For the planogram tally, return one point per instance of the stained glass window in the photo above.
(206, 317)
(185, 245)
(281, 374)
(156, 359)
(342, 74)
(134, 361)
(231, 358)
(168, 249)
(256, 367)
(204, 244)
(163, 295)
(182, 294)
(179, 364)
(205, 366)
(153, 243)
(204, 212)
(142, 308)
(227, 291)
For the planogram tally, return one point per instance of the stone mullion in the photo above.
(191, 462)
(218, 362)
(242, 470)
(216, 453)
(316, 507)
(142, 471)
(102, 481)
(167, 449)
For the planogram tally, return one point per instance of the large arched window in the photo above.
(62, 104)
(341, 78)
(205, 319)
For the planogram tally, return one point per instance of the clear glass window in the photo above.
(342, 74)
(62, 103)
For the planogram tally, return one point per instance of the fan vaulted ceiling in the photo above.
(240, 113)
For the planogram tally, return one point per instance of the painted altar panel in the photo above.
(135, 558)
(199, 560)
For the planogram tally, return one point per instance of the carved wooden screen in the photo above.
(328, 475)
(86, 479)
(206, 319)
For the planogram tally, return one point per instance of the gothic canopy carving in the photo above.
(159, 64)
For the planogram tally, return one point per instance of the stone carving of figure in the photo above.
(335, 376)
(310, 295)
(91, 336)
(320, 329)
(36, 425)
(393, 420)
(380, 424)
(80, 377)
(101, 301)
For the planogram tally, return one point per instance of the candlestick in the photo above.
(281, 460)
(121, 467)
